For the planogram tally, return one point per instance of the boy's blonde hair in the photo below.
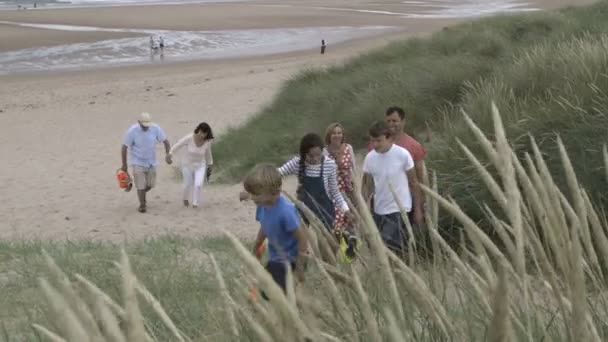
(263, 179)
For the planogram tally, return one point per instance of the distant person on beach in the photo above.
(196, 163)
(279, 224)
(323, 46)
(161, 45)
(343, 155)
(389, 167)
(141, 140)
(153, 46)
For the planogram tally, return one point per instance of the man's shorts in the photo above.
(144, 177)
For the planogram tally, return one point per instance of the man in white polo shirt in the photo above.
(141, 140)
(385, 165)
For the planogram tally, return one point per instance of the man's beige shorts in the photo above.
(144, 177)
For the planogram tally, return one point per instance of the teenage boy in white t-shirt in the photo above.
(385, 165)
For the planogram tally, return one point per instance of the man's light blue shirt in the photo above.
(142, 144)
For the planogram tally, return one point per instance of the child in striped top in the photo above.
(317, 180)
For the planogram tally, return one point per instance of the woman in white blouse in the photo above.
(196, 161)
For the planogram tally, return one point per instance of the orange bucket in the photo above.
(124, 180)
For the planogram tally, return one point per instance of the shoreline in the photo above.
(45, 6)
(335, 51)
(115, 23)
(195, 17)
(133, 50)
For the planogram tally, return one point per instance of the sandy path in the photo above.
(61, 137)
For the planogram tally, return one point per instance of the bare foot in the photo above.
(186, 203)
(195, 206)
(142, 209)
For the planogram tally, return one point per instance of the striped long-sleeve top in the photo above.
(330, 181)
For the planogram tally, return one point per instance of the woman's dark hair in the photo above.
(205, 128)
(308, 142)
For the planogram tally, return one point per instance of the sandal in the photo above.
(348, 247)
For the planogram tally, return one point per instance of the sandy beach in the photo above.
(62, 131)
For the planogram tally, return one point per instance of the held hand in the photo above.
(208, 173)
(124, 168)
(243, 196)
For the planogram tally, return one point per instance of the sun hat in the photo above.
(144, 119)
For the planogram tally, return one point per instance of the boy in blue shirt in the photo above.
(279, 223)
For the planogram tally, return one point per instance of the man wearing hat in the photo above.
(141, 140)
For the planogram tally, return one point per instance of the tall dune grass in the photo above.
(553, 87)
(547, 284)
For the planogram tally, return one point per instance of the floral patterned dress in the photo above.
(346, 165)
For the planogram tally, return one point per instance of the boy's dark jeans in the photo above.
(393, 230)
(278, 271)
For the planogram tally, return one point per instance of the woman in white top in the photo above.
(196, 161)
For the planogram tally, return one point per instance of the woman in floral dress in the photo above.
(344, 156)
